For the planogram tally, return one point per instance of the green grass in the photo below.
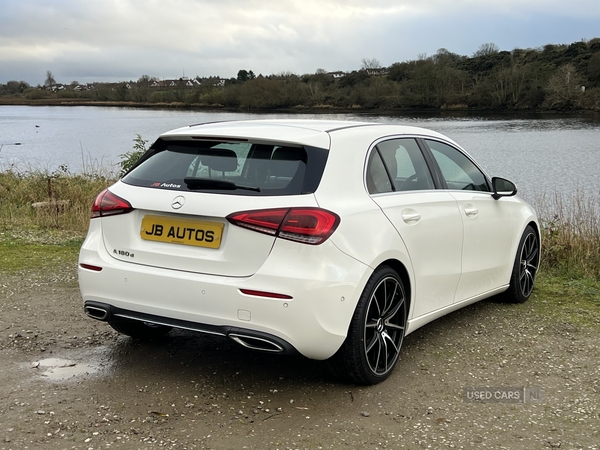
(21, 257)
(570, 301)
(36, 249)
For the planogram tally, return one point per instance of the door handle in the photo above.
(471, 211)
(410, 216)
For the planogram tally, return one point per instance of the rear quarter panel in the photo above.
(364, 232)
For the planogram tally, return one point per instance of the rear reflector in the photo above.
(307, 225)
(265, 294)
(90, 267)
(109, 204)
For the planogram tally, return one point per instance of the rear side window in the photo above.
(240, 168)
(397, 165)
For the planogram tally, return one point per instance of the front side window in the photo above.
(397, 165)
(459, 172)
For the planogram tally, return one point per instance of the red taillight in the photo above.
(109, 204)
(264, 221)
(307, 225)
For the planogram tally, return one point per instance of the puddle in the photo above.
(58, 369)
(61, 369)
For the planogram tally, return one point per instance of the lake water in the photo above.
(540, 154)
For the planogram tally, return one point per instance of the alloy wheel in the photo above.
(529, 262)
(385, 322)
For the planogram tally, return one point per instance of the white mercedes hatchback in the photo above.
(329, 239)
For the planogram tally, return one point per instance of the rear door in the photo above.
(428, 220)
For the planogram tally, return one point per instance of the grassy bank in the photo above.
(570, 234)
(39, 238)
(58, 200)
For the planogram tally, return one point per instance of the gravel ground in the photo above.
(68, 382)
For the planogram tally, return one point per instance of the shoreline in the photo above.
(325, 109)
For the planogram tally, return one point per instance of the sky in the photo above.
(121, 40)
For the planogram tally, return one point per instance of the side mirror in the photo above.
(503, 188)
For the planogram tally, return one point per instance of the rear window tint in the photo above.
(239, 168)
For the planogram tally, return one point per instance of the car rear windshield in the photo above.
(240, 168)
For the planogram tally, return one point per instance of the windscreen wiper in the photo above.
(211, 183)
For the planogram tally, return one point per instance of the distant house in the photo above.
(56, 87)
(83, 87)
(177, 83)
(180, 82)
(378, 72)
(337, 74)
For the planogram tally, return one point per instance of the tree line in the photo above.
(561, 77)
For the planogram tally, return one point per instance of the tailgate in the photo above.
(196, 237)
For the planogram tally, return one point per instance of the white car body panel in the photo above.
(488, 243)
(314, 320)
(432, 230)
(417, 322)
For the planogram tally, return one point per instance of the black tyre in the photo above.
(376, 331)
(140, 330)
(527, 262)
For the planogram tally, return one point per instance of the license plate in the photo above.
(181, 231)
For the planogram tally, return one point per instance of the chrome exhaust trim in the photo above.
(257, 343)
(96, 312)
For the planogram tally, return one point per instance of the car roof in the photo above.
(289, 131)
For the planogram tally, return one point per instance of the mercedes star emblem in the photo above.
(178, 202)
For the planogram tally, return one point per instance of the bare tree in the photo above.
(486, 50)
(564, 87)
(144, 80)
(50, 81)
(370, 63)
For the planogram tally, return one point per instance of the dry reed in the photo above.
(50, 200)
(570, 233)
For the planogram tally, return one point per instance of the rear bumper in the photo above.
(324, 285)
(254, 340)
